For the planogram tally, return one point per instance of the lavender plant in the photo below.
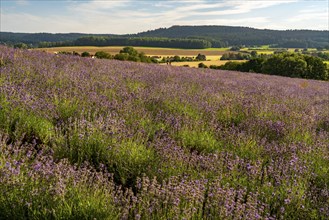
(83, 138)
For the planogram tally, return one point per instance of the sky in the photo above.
(133, 16)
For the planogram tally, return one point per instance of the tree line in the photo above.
(282, 64)
(190, 37)
(143, 41)
(234, 36)
(126, 54)
(124, 41)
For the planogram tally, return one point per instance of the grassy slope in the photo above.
(181, 142)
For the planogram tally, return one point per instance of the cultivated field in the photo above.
(84, 138)
(213, 55)
(150, 51)
(208, 62)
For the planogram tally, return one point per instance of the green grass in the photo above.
(130, 160)
(25, 126)
(196, 140)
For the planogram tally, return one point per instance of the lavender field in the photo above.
(103, 139)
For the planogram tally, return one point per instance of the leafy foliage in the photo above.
(236, 36)
(284, 64)
(103, 55)
(142, 41)
(235, 56)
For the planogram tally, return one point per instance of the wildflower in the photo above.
(287, 201)
(137, 216)
(37, 166)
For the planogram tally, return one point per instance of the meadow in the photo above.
(84, 138)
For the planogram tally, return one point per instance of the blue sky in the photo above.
(131, 16)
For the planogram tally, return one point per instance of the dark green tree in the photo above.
(202, 65)
(21, 46)
(316, 68)
(201, 57)
(129, 50)
(231, 65)
(121, 56)
(253, 53)
(103, 55)
(176, 59)
(85, 54)
(253, 65)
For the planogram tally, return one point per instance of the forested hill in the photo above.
(35, 38)
(245, 36)
(184, 37)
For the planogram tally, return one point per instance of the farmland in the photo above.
(213, 55)
(208, 62)
(150, 51)
(84, 138)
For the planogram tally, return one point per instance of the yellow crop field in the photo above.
(208, 63)
(150, 51)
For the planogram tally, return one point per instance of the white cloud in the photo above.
(224, 8)
(202, 9)
(252, 21)
(313, 14)
(24, 22)
(129, 16)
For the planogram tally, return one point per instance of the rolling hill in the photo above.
(206, 36)
(244, 35)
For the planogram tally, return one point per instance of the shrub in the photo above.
(103, 55)
(202, 65)
(85, 54)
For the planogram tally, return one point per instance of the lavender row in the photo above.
(159, 141)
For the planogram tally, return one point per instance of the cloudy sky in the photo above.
(132, 16)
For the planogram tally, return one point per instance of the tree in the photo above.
(253, 65)
(202, 65)
(201, 57)
(129, 50)
(253, 53)
(121, 56)
(293, 66)
(231, 65)
(235, 48)
(316, 68)
(21, 46)
(176, 59)
(284, 64)
(103, 55)
(85, 54)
